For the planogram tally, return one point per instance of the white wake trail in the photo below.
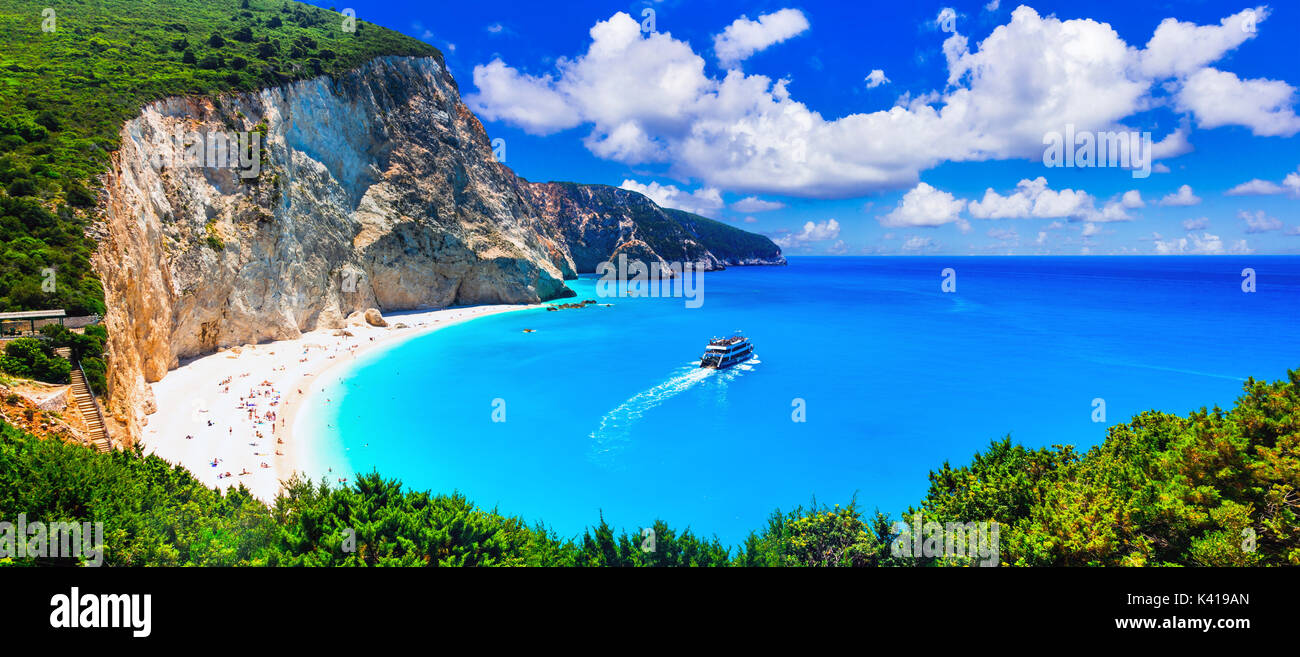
(614, 426)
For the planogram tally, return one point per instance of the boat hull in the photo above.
(731, 359)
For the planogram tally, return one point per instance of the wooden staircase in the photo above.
(89, 407)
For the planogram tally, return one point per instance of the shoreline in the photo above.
(218, 406)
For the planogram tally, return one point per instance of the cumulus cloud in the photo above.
(647, 98)
(1258, 222)
(1257, 187)
(702, 201)
(755, 204)
(811, 232)
(1033, 199)
(876, 78)
(1182, 198)
(1132, 199)
(1218, 98)
(1180, 48)
(1190, 225)
(744, 37)
(924, 205)
(532, 103)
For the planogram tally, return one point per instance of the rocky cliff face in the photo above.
(377, 189)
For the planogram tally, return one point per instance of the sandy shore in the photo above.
(236, 407)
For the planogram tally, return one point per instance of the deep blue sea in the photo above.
(606, 412)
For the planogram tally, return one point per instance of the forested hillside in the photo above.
(74, 71)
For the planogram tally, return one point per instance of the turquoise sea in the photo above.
(606, 412)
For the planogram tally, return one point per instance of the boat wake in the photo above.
(612, 434)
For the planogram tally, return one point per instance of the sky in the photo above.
(845, 128)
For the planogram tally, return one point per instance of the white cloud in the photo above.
(919, 244)
(1218, 98)
(1178, 48)
(811, 232)
(1256, 187)
(1174, 144)
(1259, 222)
(993, 5)
(702, 201)
(1003, 234)
(496, 28)
(1182, 198)
(1203, 244)
(647, 98)
(529, 102)
(744, 37)
(755, 204)
(1259, 187)
(1132, 199)
(1090, 229)
(1032, 198)
(750, 220)
(924, 205)
(876, 78)
(631, 86)
(1196, 224)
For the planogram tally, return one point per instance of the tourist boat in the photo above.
(725, 352)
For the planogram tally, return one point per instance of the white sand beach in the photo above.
(228, 417)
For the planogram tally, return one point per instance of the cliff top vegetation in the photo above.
(74, 71)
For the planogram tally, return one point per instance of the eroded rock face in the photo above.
(375, 190)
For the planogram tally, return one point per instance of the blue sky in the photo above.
(880, 128)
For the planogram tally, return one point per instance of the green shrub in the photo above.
(33, 358)
(96, 375)
(78, 196)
